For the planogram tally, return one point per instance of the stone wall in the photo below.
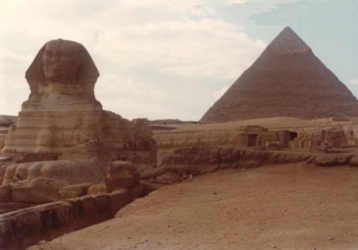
(289, 132)
(246, 136)
(26, 227)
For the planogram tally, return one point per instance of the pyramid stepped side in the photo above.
(286, 80)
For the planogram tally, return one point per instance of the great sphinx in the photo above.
(61, 110)
(63, 121)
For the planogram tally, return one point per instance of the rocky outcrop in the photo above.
(72, 171)
(97, 189)
(286, 80)
(5, 122)
(333, 160)
(5, 193)
(73, 191)
(197, 160)
(39, 190)
(200, 160)
(121, 174)
(181, 163)
(38, 183)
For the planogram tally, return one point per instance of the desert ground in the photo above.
(287, 206)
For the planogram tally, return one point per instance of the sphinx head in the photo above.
(63, 62)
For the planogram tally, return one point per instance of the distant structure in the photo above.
(286, 80)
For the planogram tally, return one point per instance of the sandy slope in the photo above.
(295, 206)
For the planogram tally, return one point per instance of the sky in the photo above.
(170, 59)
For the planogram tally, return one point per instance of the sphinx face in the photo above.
(61, 60)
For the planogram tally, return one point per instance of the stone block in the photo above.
(120, 198)
(121, 174)
(32, 157)
(136, 192)
(298, 144)
(354, 161)
(73, 191)
(284, 136)
(97, 189)
(307, 144)
(122, 179)
(40, 190)
(280, 145)
(351, 142)
(271, 145)
(334, 160)
(5, 192)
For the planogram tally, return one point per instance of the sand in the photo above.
(291, 206)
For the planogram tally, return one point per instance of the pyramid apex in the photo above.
(288, 42)
(288, 28)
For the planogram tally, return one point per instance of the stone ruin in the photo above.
(287, 80)
(326, 137)
(315, 135)
(62, 135)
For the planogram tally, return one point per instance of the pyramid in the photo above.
(286, 80)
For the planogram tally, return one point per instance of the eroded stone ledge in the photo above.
(23, 228)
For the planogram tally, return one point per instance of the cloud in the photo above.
(12, 81)
(237, 1)
(130, 99)
(354, 81)
(8, 54)
(142, 48)
(142, 33)
(208, 47)
(12, 93)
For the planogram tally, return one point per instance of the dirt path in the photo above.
(292, 206)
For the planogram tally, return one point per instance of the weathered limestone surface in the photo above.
(5, 122)
(203, 135)
(354, 161)
(333, 136)
(203, 148)
(39, 190)
(26, 227)
(121, 174)
(73, 191)
(97, 189)
(5, 193)
(3, 166)
(333, 160)
(61, 110)
(319, 134)
(73, 171)
(286, 80)
(180, 163)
